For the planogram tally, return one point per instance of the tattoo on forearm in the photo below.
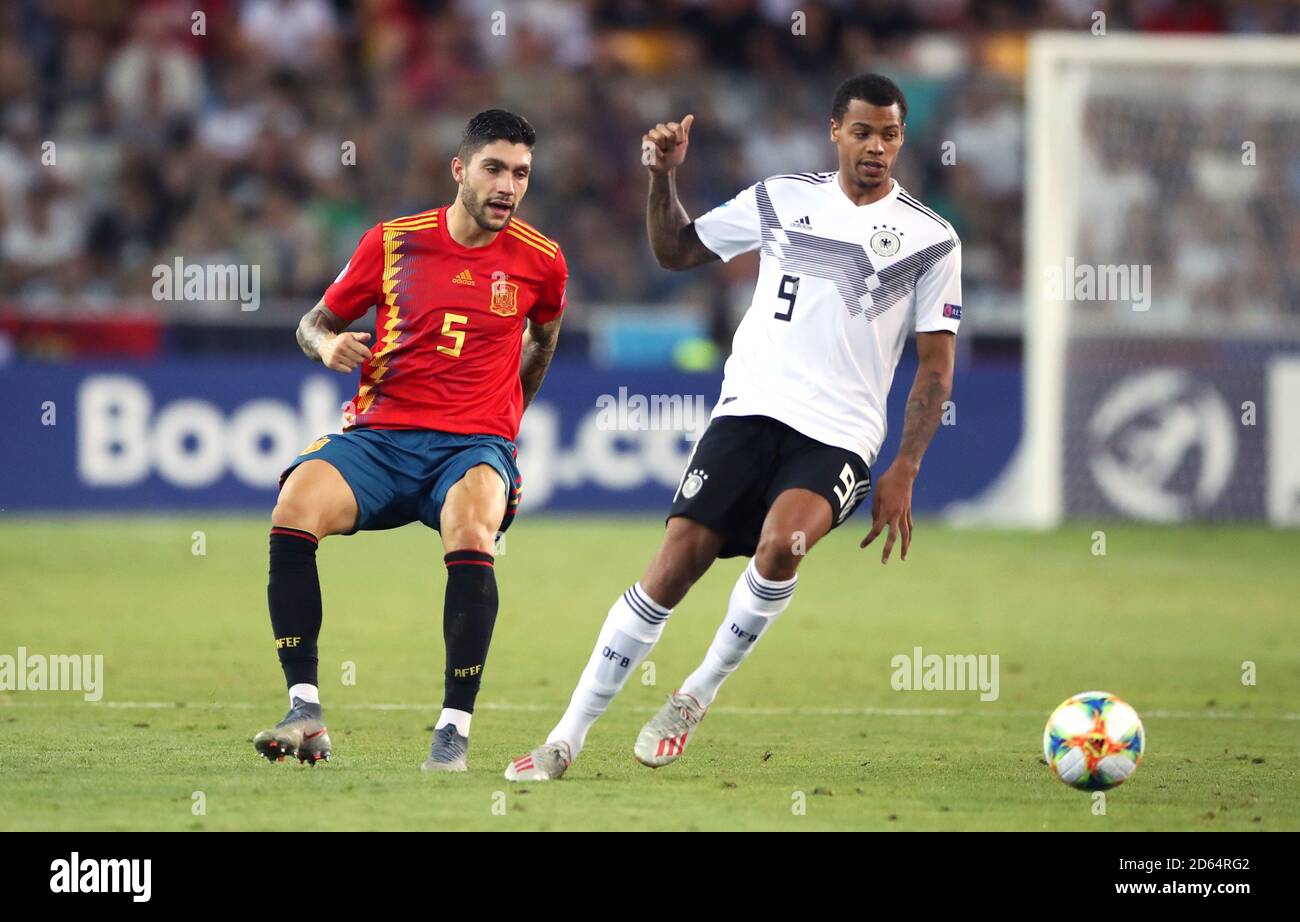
(672, 237)
(317, 325)
(665, 218)
(924, 413)
(539, 349)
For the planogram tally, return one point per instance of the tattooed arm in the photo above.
(539, 348)
(320, 338)
(673, 238)
(892, 502)
(932, 387)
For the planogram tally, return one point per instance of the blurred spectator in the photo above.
(153, 77)
(40, 237)
(293, 34)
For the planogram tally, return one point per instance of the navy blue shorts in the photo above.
(400, 476)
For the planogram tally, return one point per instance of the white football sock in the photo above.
(755, 603)
(308, 693)
(452, 716)
(630, 631)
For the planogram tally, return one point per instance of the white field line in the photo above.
(558, 707)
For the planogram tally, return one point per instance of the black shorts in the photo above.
(743, 463)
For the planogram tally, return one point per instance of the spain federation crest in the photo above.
(505, 296)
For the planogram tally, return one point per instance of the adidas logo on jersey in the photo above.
(802, 224)
(464, 278)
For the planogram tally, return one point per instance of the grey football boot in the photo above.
(547, 762)
(663, 739)
(447, 754)
(300, 734)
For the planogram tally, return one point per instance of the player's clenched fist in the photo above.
(345, 351)
(663, 147)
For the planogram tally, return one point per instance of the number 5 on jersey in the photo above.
(457, 335)
(788, 290)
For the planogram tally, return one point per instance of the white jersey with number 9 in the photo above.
(839, 287)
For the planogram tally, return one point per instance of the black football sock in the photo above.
(468, 615)
(293, 595)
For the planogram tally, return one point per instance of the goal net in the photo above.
(1161, 281)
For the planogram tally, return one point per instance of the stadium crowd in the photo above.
(273, 132)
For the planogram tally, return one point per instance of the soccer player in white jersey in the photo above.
(848, 260)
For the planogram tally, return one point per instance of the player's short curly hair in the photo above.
(876, 89)
(494, 125)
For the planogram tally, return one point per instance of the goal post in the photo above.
(1162, 181)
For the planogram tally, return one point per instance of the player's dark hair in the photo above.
(495, 125)
(876, 89)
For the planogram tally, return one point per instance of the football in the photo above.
(1093, 741)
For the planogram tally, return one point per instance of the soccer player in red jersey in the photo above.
(430, 434)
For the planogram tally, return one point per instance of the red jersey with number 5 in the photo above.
(449, 325)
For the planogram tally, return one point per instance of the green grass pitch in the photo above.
(808, 735)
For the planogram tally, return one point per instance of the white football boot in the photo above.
(663, 740)
(545, 763)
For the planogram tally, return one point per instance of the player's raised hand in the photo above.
(891, 506)
(663, 147)
(345, 351)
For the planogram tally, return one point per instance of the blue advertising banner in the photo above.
(215, 434)
(1183, 429)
